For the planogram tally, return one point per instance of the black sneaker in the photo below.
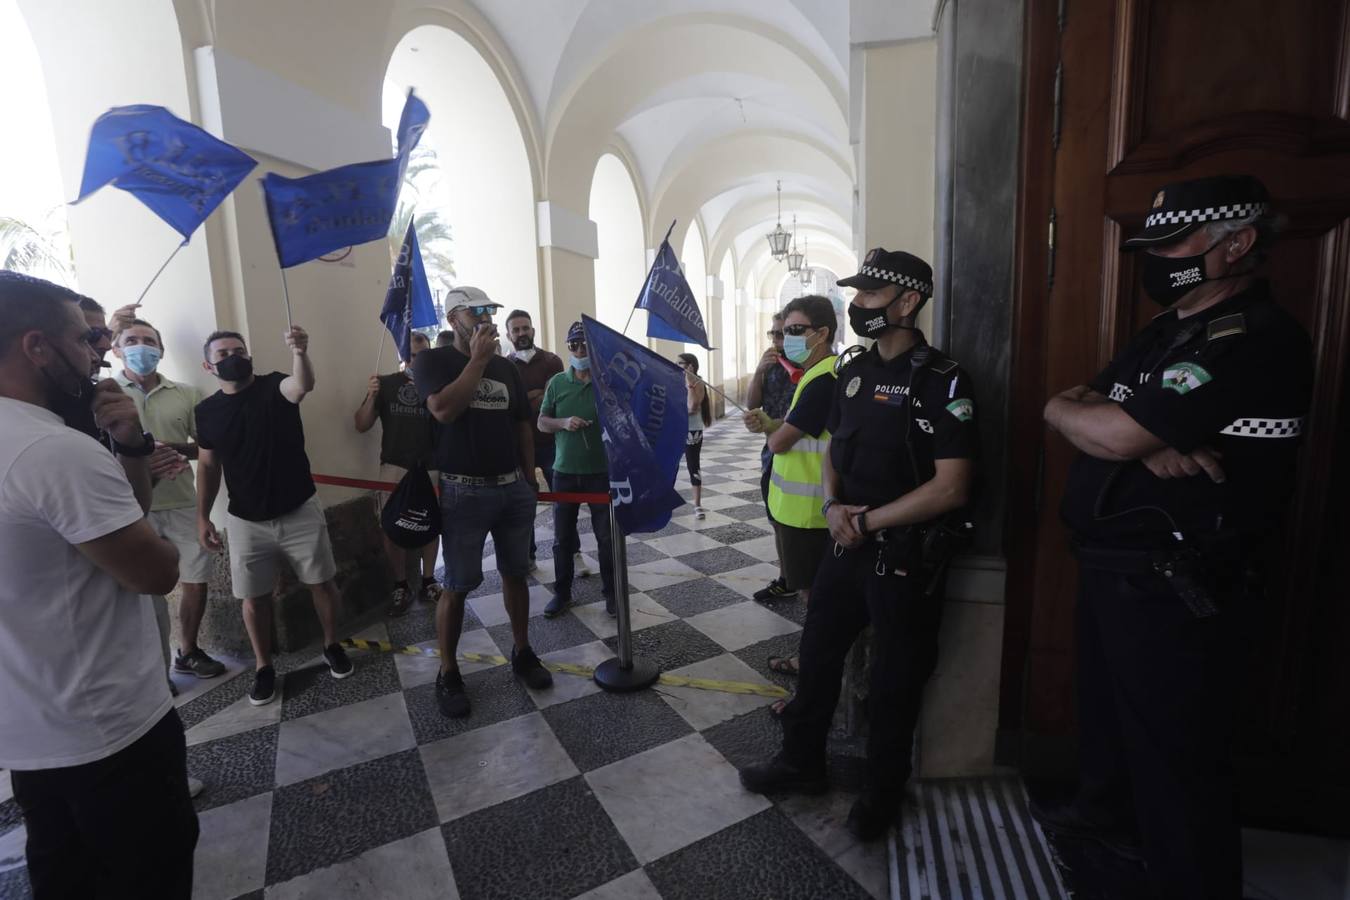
(450, 696)
(530, 670)
(777, 776)
(431, 590)
(556, 606)
(198, 663)
(339, 666)
(400, 601)
(872, 814)
(775, 591)
(264, 686)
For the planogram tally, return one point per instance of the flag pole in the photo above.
(286, 296)
(159, 273)
(379, 357)
(722, 393)
(669, 231)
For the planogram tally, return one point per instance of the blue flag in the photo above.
(176, 169)
(407, 305)
(672, 312)
(641, 399)
(341, 207)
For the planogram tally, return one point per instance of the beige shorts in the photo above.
(179, 527)
(257, 548)
(394, 474)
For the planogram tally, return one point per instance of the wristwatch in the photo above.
(135, 452)
(825, 507)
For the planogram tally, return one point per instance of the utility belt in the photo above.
(1187, 569)
(926, 549)
(480, 480)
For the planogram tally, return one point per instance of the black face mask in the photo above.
(870, 323)
(234, 368)
(74, 403)
(1166, 279)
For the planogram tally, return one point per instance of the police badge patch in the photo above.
(854, 383)
(1185, 377)
(963, 409)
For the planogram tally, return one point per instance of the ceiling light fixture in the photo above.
(778, 238)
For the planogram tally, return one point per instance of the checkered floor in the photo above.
(360, 788)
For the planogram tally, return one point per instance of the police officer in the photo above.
(1188, 443)
(898, 463)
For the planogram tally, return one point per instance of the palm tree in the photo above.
(433, 232)
(43, 251)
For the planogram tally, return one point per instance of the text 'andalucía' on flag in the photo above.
(672, 312)
(641, 400)
(407, 304)
(341, 207)
(179, 171)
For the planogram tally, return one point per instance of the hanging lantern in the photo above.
(778, 238)
(794, 258)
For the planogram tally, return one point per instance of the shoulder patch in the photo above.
(963, 409)
(1227, 326)
(1185, 377)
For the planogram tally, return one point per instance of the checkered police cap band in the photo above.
(922, 287)
(1208, 214)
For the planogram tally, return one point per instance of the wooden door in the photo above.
(1121, 97)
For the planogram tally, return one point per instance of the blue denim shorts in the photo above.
(468, 514)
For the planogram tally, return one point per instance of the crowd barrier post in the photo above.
(624, 672)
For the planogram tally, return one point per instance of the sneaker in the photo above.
(775, 591)
(450, 695)
(872, 815)
(339, 666)
(777, 776)
(579, 566)
(195, 786)
(530, 670)
(700, 513)
(431, 590)
(198, 663)
(556, 606)
(264, 686)
(399, 602)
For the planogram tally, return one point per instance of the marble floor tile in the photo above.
(490, 609)
(717, 560)
(689, 598)
(672, 795)
(490, 765)
(633, 886)
(680, 544)
(711, 518)
(234, 767)
(743, 537)
(237, 718)
(495, 695)
(418, 670)
(602, 728)
(339, 815)
(6, 789)
(735, 627)
(747, 740)
(645, 613)
(750, 579)
(313, 689)
(824, 820)
(414, 868)
(660, 573)
(572, 687)
(671, 645)
(190, 687)
(546, 635)
(231, 855)
(703, 709)
(338, 738)
(551, 844)
(12, 844)
(764, 856)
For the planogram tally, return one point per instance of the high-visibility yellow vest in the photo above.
(795, 489)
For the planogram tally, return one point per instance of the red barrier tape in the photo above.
(544, 496)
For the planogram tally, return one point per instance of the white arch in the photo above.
(615, 209)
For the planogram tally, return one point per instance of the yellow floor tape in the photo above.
(702, 684)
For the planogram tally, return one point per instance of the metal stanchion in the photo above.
(624, 672)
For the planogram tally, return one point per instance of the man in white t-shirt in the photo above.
(96, 752)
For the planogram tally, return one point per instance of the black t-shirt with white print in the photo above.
(482, 442)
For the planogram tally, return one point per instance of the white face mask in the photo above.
(526, 355)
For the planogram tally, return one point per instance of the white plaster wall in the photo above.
(622, 264)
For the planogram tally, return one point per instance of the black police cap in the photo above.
(1179, 209)
(883, 267)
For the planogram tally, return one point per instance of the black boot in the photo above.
(872, 814)
(777, 776)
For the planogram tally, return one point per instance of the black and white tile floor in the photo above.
(359, 788)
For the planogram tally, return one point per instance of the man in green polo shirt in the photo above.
(579, 466)
(166, 409)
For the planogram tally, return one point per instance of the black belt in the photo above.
(1182, 567)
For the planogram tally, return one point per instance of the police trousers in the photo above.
(846, 596)
(1156, 695)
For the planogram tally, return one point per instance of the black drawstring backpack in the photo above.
(412, 515)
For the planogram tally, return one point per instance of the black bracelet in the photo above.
(862, 523)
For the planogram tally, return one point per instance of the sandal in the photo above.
(784, 665)
(777, 707)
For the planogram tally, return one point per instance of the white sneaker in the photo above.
(579, 566)
(195, 786)
(700, 513)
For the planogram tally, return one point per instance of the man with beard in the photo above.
(537, 367)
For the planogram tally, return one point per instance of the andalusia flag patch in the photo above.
(963, 409)
(1185, 377)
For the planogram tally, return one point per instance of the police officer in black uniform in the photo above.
(899, 465)
(1188, 443)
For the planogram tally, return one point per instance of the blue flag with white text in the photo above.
(641, 400)
(672, 312)
(179, 171)
(407, 304)
(341, 207)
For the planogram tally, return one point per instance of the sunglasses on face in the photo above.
(797, 330)
(97, 334)
(775, 334)
(574, 346)
(481, 310)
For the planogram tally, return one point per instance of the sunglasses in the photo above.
(97, 334)
(797, 330)
(576, 345)
(775, 334)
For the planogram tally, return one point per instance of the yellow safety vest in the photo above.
(795, 489)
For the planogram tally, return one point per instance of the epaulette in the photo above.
(848, 356)
(943, 365)
(1226, 326)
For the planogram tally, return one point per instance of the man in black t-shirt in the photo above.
(1188, 442)
(250, 429)
(485, 453)
(405, 441)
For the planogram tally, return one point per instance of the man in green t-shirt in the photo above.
(568, 412)
(406, 441)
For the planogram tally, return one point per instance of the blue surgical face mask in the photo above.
(795, 348)
(581, 363)
(141, 359)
